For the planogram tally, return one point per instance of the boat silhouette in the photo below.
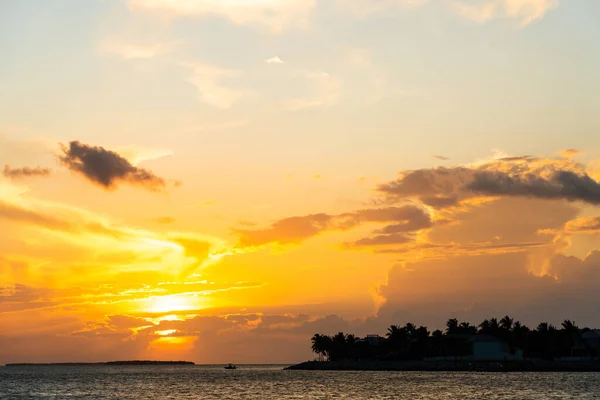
(230, 366)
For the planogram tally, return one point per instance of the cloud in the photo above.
(328, 91)
(274, 60)
(106, 168)
(297, 229)
(569, 153)
(583, 225)
(443, 158)
(275, 15)
(218, 127)
(279, 15)
(16, 173)
(133, 51)
(527, 11)
(19, 214)
(391, 239)
(514, 176)
(208, 81)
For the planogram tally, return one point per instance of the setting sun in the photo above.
(165, 304)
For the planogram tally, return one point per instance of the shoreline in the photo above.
(449, 366)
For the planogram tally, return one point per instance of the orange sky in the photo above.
(169, 194)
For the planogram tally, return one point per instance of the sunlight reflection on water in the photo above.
(271, 382)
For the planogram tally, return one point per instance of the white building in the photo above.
(490, 348)
(592, 339)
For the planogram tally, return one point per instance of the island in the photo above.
(109, 363)
(493, 345)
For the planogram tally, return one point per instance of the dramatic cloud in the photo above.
(474, 288)
(297, 229)
(106, 168)
(515, 176)
(25, 172)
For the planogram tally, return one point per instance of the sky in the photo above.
(218, 180)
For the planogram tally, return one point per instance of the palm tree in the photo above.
(571, 332)
(507, 323)
(410, 329)
(484, 326)
(394, 331)
(451, 326)
(494, 325)
(467, 328)
(321, 345)
(569, 326)
(422, 333)
(317, 343)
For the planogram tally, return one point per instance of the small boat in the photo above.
(230, 366)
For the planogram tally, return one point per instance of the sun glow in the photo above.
(162, 304)
(165, 333)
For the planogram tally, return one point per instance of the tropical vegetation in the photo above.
(410, 342)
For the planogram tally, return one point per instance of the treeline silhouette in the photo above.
(410, 342)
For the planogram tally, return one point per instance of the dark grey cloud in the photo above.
(560, 185)
(440, 187)
(106, 168)
(439, 157)
(25, 172)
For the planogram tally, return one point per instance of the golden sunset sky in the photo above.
(217, 180)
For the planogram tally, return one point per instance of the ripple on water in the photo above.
(272, 383)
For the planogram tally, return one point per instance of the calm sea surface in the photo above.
(271, 382)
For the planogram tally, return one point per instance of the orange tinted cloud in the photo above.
(407, 218)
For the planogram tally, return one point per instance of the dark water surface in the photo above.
(272, 383)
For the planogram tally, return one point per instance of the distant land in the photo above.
(132, 362)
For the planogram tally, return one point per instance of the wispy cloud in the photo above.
(208, 81)
(134, 50)
(327, 92)
(527, 11)
(275, 15)
(218, 126)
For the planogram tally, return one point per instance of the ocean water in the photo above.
(272, 382)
